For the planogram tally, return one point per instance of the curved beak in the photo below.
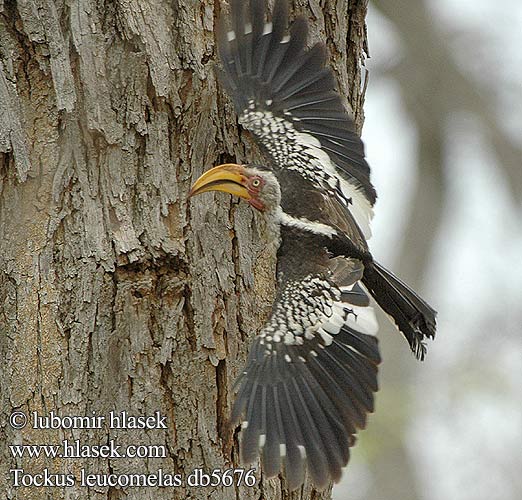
(228, 177)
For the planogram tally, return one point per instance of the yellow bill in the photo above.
(228, 178)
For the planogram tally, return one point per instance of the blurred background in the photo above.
(443, 136)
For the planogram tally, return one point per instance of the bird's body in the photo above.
(311, 375)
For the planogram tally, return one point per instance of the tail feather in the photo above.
(414, 316)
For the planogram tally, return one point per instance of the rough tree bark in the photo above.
(115, 292)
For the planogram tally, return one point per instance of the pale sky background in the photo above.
(465, 435)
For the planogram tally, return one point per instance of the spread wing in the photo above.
(287, 98)
(310, 378)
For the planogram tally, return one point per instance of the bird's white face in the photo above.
(259, 187)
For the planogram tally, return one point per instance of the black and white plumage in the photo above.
(311, 375)
(287, 98)
(310, 378)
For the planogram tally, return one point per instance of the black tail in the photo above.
(414, 317)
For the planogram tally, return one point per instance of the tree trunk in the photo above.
(116, 293)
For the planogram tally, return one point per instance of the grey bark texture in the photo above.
(116, 293)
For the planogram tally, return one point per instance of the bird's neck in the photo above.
(304, 224)
(269, 226)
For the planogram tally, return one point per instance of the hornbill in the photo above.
(310, 378)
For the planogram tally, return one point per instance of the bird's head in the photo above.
(257, 185)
